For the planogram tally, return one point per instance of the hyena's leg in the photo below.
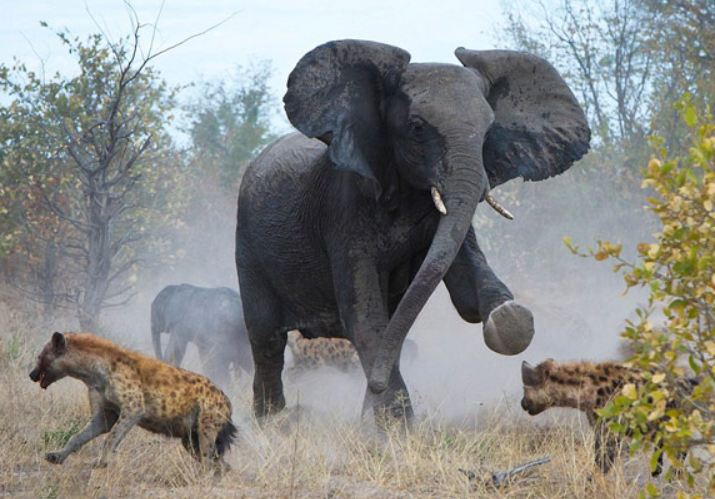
(125, 422)
(208, 431)
(132, 410)
(101, 422)
(605, 447)
(209, 424)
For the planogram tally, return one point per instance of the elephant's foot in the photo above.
(268, 398)
(509, 328)
(264, 408)
(390, 408)
(397, 414)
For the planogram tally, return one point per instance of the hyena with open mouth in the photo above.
(127, 388)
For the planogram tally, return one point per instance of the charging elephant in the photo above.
(348, 235)
(211, 318)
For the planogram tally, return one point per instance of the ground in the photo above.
(310, 451)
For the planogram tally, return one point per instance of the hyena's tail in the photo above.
(226, 436)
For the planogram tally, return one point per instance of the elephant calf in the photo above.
(211, 318)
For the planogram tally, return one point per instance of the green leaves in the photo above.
(690, 115)
(229, 123)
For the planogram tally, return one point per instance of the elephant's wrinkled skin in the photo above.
(211, 318)
(350, 234)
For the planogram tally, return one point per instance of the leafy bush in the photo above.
(673, 337)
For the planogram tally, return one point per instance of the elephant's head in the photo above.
(451, 131)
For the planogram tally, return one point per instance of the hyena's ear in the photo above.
(530, 375)
(59, 344)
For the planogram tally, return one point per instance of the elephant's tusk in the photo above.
(437, 199)
(497, 207)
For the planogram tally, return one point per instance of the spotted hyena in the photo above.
(585, 386)
(127, 388)
(313, 353)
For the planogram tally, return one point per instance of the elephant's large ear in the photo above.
(539, 129)
(335, 94)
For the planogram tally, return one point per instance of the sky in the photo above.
(277, 30)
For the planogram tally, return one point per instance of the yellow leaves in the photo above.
(710, 347)
(658, 378)
(653, 251)
(607, 249)
(658, 412)
(629, 391)
(654, 166)
(671, 426)
(631, 280)
(600, 255)
(708, 144)
(643, 248)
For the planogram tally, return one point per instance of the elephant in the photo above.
(211, 318)
(369, 207)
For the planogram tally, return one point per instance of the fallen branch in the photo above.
(498, 479)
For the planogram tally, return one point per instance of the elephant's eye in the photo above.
(416, 126)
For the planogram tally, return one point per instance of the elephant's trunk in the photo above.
(465, 186)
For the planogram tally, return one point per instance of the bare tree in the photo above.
(601, 47)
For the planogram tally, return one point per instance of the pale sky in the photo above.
(278, 30)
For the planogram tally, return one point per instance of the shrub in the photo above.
(673, 336)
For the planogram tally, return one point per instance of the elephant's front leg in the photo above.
(479, 295)
(363, 312)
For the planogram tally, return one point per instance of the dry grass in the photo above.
(303, 453)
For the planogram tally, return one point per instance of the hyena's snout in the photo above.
(525, 404)
(35, 375)
(533, 408)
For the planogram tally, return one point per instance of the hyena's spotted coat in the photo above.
(319, 352)
(127, 388)
(585, 386)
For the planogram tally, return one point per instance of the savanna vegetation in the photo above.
(110, 175)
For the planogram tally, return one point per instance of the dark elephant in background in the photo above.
(211, 318)
(349, 235)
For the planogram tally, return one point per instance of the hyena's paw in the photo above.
(221, 467)
(55, 457)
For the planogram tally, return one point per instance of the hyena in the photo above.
(127, 388)
(313, 353)
(585, 386)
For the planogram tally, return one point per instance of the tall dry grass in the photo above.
(305, 452)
